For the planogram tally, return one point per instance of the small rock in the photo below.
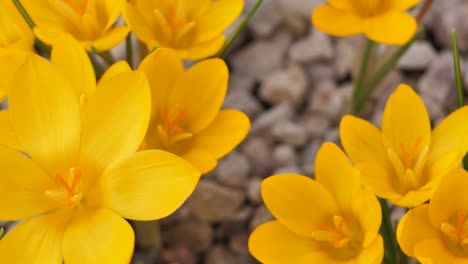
(194, 235)
(261, 216)
(239, 243)
(285, 86)
(241, 82)
(284, 155)
(308, 157)
(258, 151)
(347, 60)
(292, 169)
(177, 254)
(289, 133)
(221, 255)
(418, 57)
(234, 224)
(455, 18)
(302, 8)
(262, 57)
(266, 120)
(333, 136)
(233, 170)
(266, 19)
(243, 101)
(212, 202)
(315, 126)
(316, 47)
(317, 72)
(326, 100)
(253, 190)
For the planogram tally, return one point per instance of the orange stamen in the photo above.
(460, 223)
(172, 126)
(408, 156)
(172, 21)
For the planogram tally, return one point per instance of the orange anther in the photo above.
(408, 156)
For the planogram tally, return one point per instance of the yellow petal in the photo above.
(15, 31)
(343, 4)
(402, 5)
(36, 240)
(45, 114)
(201, 159)
(290, 197)
(449, 136)
(366, 208)
(434, 251)
(162, 67)
(109, 11)
(196, 8)
(415, 227)
(23, 186)
(200, 91)
(148, 185)
(144, 29)
(413, 198)
(89, 225)
(337, 22)
(379, 180)
(406, 121)
(217, 18)
(7, 133)
(226, 131)
(362, 141)
(443, 206)
(334, 171)
(12, 60)
(394, 28)
(274, 243)
(115, 119)
(71, 59)
(202, 50)
(110, 38)
(442, 166)
(115, 69)
(372, 254)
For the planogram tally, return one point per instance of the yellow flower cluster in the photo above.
(80, 153)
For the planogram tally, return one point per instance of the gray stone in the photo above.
(258, 151)
(284, 155)
(253, 190)
(315, 47)
(303, 8)
(266, 19)
(289, 133)
(241, 82)
(235, 223)
(285, 86)
(308, 157)
(239, 243)
(233, 170)
(454, 17)
(315, 126)
(212, 202)
(195, 235)
(347, 59)
(178, 254)
(262, 57)
(261, 216)
(326, 100)
(221, 255)
(243, 101)
(292, 169)
(418, 57)
(265, 121)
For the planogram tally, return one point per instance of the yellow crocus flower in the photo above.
(193, 28)
(402, 162)
(88, 21)
(437, 232)
(84, 175)
(186, 118)
(327, 220)
(383, 21)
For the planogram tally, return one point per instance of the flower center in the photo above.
(409, 164)
(80, 7)
(69, 192)
(173, 21)
(338, 235)
(169, 129)
(458, 233)
(368, 8)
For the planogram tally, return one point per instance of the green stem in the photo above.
(383, 72)
(24, 13)
(103, 55)
(237, 31)
(2, 232)
(395, 255)
(458, 79)
(129, 49)
(361, 76)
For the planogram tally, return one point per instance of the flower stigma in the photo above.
(69, 193)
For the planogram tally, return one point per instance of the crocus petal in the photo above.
(109, 11)
(274, 243)
(36, 240)
(148, 185)
(88, 225)
(195, 8)
(217, 18)
(202, 50)
(413, 198)
(111, 38)
(334, 171)
(45, 114)
(434, 251)
(226, 131)
(201, 159)
(139, 26)
(162, 67)
(362, 141)
(115, 119)
(337, 22)
(449, 135)
(366, 208)
(23, 186)
(391, 28)
(373, 253)
(442, 166)
(406, 121)
(449, 197)
(379, 180)
(7, 133)
(200, 91)
(402, 5)
(289, 198)
(415, 227)
(71, 59)
(343, 4)
(12, 60)
(115, 69)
